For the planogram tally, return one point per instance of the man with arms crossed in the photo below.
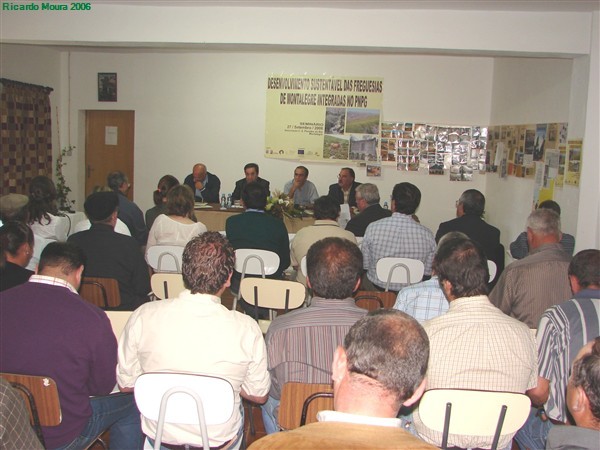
(179, 335)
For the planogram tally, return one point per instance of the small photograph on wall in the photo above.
(107, 87)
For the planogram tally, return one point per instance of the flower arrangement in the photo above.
(62, 190)
(280, 205)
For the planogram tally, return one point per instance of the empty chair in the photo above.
(185, 399)
(474, 413)
(251, 261)
(165, 258)
(167, 285)
(272, 294)
(102, 292)
(399, 270)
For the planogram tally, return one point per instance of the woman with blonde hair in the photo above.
(178, 226)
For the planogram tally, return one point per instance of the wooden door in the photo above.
(109, 140)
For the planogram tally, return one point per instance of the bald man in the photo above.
(204, 184)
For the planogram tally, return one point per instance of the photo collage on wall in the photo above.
(435, 148)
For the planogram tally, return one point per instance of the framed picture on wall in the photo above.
(107, 87)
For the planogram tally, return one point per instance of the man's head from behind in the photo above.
(583, 391)
(543, 227)
(367, 192)
(207, 263)
(382, 364)
(406, 198)
(101, 207)
(461, 268)
(334, 268)
(254, 196)
(471, 202)
(584, 270)
(326, 208)
(62, 260)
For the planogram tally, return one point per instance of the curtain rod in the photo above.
(20, 83)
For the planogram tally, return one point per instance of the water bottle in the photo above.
(229, 204)
(223, 202)
(385, 205)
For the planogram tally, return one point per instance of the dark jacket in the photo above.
(241, 184)
(359, 223)
(210, 193)
(335, 191)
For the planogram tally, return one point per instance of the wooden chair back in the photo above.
(102, 292)
(293, 396)
(167, 285)
(371, 300)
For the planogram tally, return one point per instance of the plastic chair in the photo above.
(491, 269)
(118, 320)
(102, 292)
(272, 294)
(300, 403)
(412, 272)
(165, 258)
(473, 413)
(186, 399)
(251, 261)
(167, 285)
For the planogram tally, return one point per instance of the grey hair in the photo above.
(115, 180)
(369, 192)
(544, 222)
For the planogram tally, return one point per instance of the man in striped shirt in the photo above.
(301, 344)
(562, 331)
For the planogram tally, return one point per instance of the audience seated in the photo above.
(583, 401)
(300, 343)
(47, 329)
(179, 225)
(426, 300)
(204, 185)
(16, 246)
(159, 197)
(255, 229)
(301, 191)
(398, 236)
(44, 219)
(470, 208)
(194, 333)
(129, 212)
(367, 202)
(327, 211)
(344, 191)
(15, 430)
(562, 331)
(113, 255)
(251, 176)
(519, 248)
(474, 345)
(380, 367)
(528, 287)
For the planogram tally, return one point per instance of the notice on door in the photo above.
(111, 135)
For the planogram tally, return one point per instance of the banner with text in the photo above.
(323, 118)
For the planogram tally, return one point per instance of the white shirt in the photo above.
(166, 231)
(337, 416)
(194, 333)
(57, 228)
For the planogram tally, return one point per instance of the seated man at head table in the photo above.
(250, 176)
(256, 229)
(367, 202)
(301, 191)
(519, 248)
(344, 191)
(47, 329)
(327, 211)
(194, 333)
(583, 401)
(380, 367)
(204, 185)
(334, 270)
(474, 345)
(561, 332)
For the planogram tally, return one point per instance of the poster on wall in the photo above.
(573, 167)
(323, 118)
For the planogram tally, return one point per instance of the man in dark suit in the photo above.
(344, 191)
(251, 172)
(204, 184)
(367, 201)
(469, 211)
(256, 229)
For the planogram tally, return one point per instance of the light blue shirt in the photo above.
(423, 301)
(306, 195)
